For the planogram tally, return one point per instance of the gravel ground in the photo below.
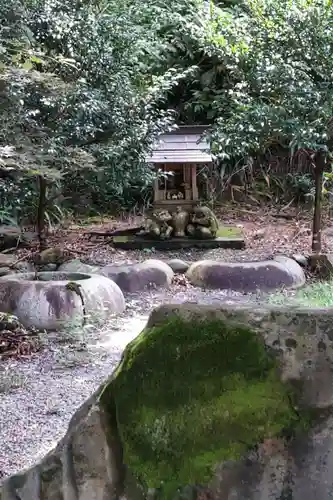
(104, 255)
(39, 396)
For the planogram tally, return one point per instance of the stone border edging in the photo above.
(247, 276)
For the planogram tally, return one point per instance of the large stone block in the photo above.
(207, 402)
(301, 338)
(86, 465)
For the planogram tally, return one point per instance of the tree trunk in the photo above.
(42, 184)
(320, 162)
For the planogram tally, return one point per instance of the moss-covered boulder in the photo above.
(196, 391)
(193, 393)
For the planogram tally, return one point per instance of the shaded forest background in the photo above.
(87, 86)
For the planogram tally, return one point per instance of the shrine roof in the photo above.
(184, 145)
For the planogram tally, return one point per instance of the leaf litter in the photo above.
(266, 233)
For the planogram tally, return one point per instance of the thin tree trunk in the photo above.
(320, 162)
(42, 184)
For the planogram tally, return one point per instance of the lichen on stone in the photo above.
(192, 394)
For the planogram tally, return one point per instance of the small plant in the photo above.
(7, 218)
(318, 294)
(10, 380)
(75, 338)
(301, 187)
(56, 217)
(72, 358)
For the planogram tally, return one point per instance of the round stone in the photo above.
(53, 300)
(178, 266)
(136, 277)
(247, 276)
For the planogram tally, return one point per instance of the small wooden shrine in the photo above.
(177, 156)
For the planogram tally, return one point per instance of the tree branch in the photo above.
(102, 136)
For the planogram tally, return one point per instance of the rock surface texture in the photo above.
(178, 266)
(136, 277)
(224, 403)
(76, 266)
(57, 300)
(86, 464)
(12, 237)
(247, 276)
(9, 265)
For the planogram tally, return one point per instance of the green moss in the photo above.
(123, 239)
(192, 394)
(229, 232)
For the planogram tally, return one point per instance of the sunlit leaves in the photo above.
(92, 89)
(283, 89)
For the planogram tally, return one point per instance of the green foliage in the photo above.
(108, 191)
(192, 394)
(301, 186)
(15, 37)
(86, 87)
(16, 197)
(280, 56)
(262, 80)
(318, 294)
(88, 102)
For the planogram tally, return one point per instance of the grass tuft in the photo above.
(319, 294)
(229, 232)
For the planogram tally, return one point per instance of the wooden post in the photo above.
(195, 195)
(320, 163)
(156, 193)
(42, 205)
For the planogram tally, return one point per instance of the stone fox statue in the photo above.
(203, 223)
(180, 220)
(158, 225)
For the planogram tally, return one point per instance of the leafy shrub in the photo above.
(18, 199)
(300, 186)
(109, 190)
